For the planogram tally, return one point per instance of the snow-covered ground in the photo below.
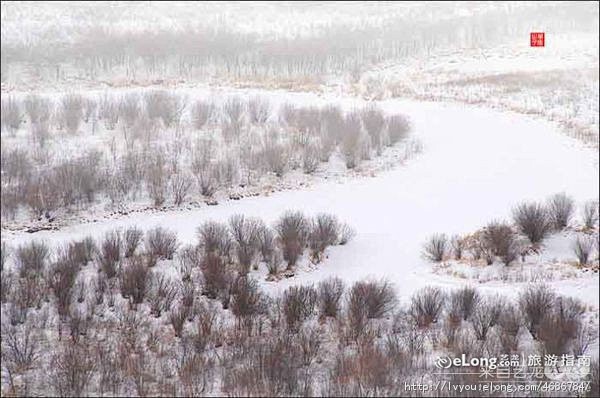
(475, 166)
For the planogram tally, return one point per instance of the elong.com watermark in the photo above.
(445, 362)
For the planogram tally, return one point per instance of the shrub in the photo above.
(324, 232)
(10, 114)
(590, 214)
(31, 258)
(161, 293)
(177, 318)
(72, 368)
(374, 122)
(485, 316)
(180, 188)
(276, 157)
(510, 322)
(560, 326)
(500, 240)
(156, 179)
(535, 303)
(234, 109)
(398, 127)
(426, 305)
(4, 254)
(161, 242)
(352, 140)
(458, 246)
(259, 109)
(378, 297)
(346, 233)
(583, 248)
(266, 243)
(134, 280)
(216, 278)
(110, 253)
(20, 347)
(133, 238)
(247, 301)
(163, 105)
(61, 279)
(245, 232)
(560, 210)
(435, 248)
(310, 158)
(298, 304)
(71, 112)
(462, 302)
(201, 113)
(129, 108)
(292, 230)
(83, 251)
(38, 109)
(330, 292)
(532, 220)
(214, 238)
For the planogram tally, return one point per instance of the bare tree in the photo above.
(560, 210)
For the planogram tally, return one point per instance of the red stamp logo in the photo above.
(537, 39)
